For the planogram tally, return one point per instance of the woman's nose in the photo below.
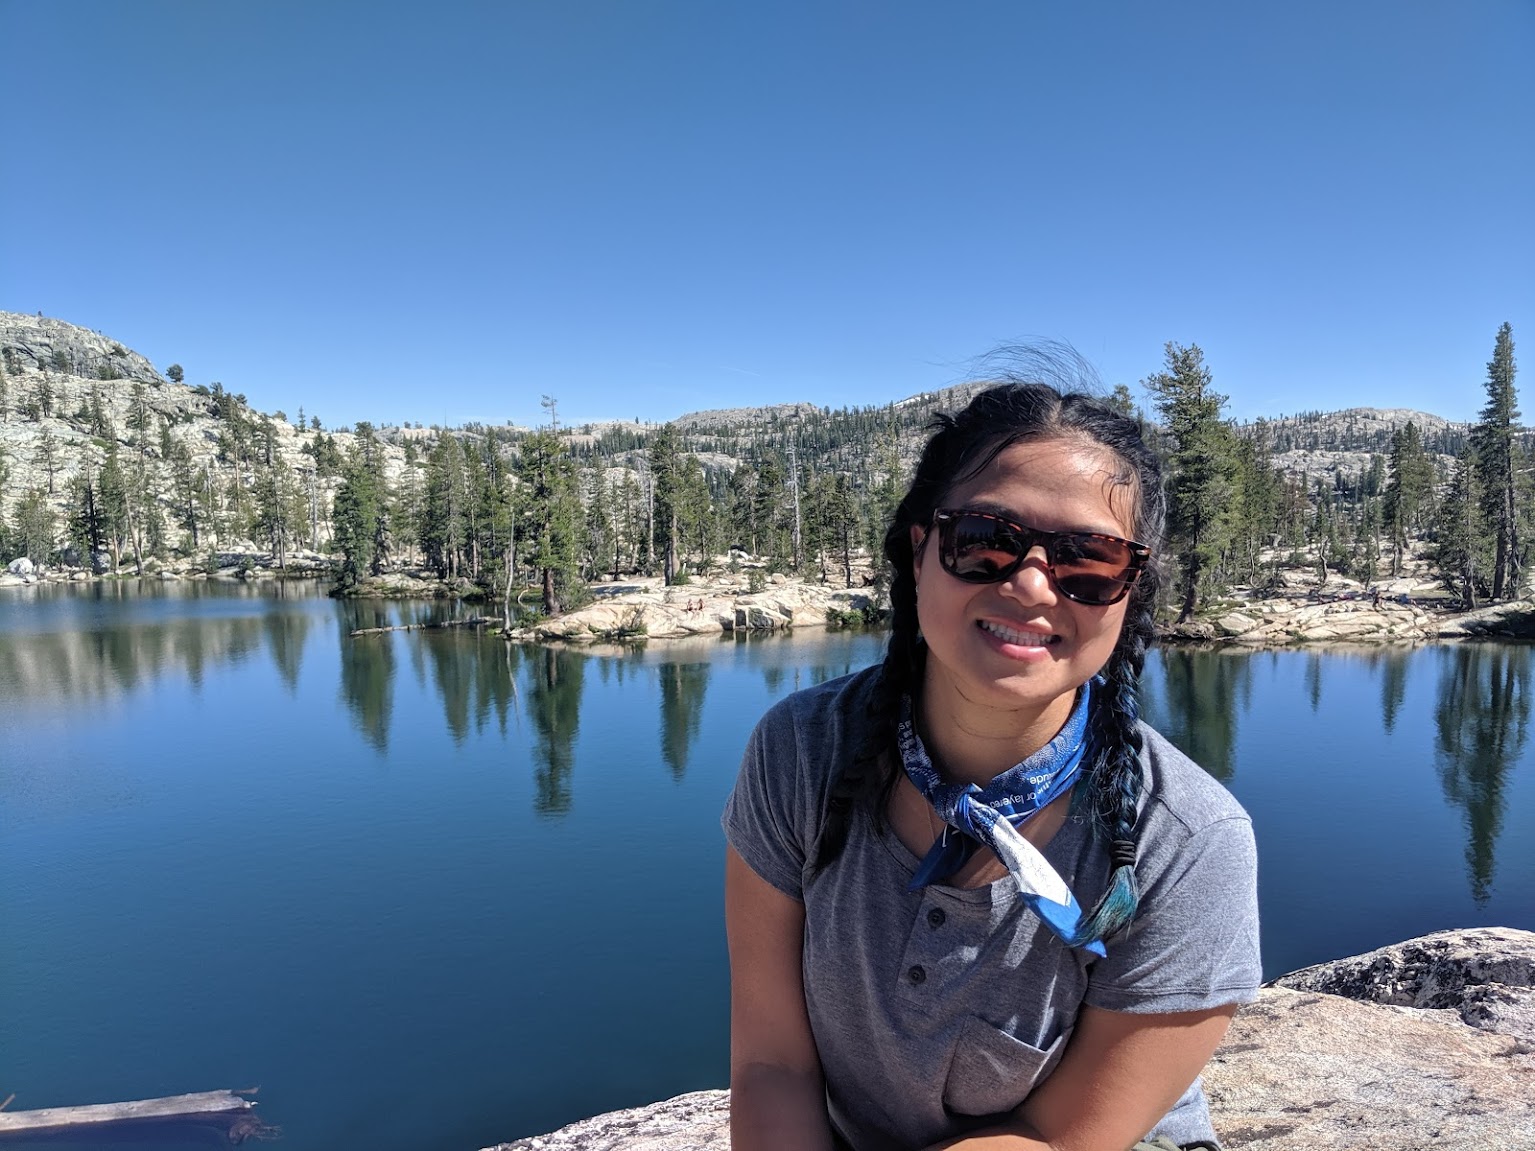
(1031, 583)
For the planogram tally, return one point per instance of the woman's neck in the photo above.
(974, 743)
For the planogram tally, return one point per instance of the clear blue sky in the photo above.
(440, 212)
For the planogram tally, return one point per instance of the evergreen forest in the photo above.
(128, 471)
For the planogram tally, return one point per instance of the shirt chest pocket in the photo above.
(992, 1072)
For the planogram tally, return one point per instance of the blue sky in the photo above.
(395, 211)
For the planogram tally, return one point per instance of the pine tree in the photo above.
(112, 502)
(139, 417)
(550, 515)
(1461, 553)
(48, 455)
(35, 525)
(85, 527)
(666, 476)
(361, 521)
(443, 528)
(279, 509)
(1407, 492)
(1199, 465)
(1496, 453)
(601, 534)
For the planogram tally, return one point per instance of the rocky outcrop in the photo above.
(649, 609)
(1312, 1072)
(1486, 976)
(80, 372)
(699, 1121)
(1282, 621)
(1431, 1050)
(41, 344)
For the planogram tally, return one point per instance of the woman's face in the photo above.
(1018, 650)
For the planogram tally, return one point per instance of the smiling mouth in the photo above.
(1021, 638)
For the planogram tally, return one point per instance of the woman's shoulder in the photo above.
(1181, 790)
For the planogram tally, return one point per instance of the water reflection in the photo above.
(1481, 722)
(1196, 707)
(682, 704)
(1314, 679)
(286, 634)
(1393, 686)
(555, 680)
(64, 649)
(64, 646)
(367, 686)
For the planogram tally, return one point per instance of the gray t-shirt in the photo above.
(936, 1011)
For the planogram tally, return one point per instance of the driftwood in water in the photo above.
(472, 621)
(223, 1111)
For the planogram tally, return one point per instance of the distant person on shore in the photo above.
(972, 901)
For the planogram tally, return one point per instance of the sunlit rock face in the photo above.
(1420, 1046)
(1486, 976)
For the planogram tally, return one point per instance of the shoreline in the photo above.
(643, 608)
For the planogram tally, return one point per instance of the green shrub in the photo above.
(837, 619)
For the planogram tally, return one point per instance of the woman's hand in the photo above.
(1121, 1072)
(777, 1094)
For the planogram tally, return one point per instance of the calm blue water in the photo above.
(431, 891)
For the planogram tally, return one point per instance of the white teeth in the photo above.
(1008, 635)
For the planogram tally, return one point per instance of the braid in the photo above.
(870, 775)
(1117, 779)
(961, 446)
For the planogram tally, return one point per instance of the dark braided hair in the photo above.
(962, 445)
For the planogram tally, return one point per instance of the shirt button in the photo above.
(935, 917)
(917, 974)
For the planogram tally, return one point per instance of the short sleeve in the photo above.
(1194, 941)
(764, 816)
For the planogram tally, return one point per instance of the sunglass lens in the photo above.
(1088, 568)
(1097, 590)
(979, 549)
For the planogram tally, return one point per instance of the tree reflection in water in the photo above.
(555, 678)
(1481, 720)
(682, 704)
(1393, 686)
(286, 633)
(1196, 708)
(367, 669)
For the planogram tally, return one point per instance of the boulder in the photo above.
(1486, 976)
(699, 1121)
(1235, 623)
(22, 566)
(1432, 1049)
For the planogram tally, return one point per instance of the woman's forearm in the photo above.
(775, 1109)
(1013, 1136)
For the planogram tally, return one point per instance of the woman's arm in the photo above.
(1121, 1072)
(777, 1095)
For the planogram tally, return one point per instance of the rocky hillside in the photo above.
(72, 396)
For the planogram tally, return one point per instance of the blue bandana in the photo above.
(991, 816)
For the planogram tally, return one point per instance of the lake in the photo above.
(429, 890)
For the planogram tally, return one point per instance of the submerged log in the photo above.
(223, 1111)
(472, 621)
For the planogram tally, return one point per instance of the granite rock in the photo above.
(1419, 1061)
(1485, 975)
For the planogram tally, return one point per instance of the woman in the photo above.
(972, 902)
